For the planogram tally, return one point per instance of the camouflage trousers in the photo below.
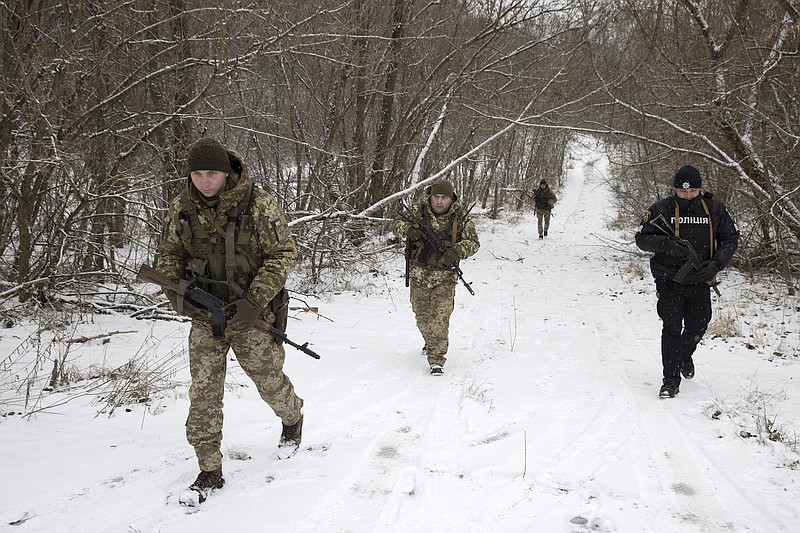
(543, 221)
(260, 358)
(432, 308)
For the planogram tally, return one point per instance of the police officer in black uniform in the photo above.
(693, 237)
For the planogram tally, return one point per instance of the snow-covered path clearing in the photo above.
(546, 420)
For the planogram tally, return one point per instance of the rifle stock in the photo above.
(201, 298)
(149, 274)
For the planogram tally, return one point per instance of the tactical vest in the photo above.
(424, 254)
(698, 229)
(207, 265)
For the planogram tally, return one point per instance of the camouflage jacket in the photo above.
(431, 272)
(191, 239)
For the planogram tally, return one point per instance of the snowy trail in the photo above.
(552, 452)
(546, 420)
(696, 490)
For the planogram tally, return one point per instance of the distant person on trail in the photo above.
(693, 237)
(229, 237)
(432, 279)
(544, 201)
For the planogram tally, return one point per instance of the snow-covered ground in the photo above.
(546, 420)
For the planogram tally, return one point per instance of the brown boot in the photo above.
(207, 481)
(290, 439)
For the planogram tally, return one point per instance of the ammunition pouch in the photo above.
(219, 320)
(279, 305)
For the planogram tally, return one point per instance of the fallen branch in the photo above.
(519, 258)
(95, 337)
(12, 292)
(305, 309)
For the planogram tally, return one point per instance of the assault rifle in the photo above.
(432, 242)
(693, 260)
(220, 311)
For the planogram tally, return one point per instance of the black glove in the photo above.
(707, 270)
(450, 257)
(247, 312)
(677, 248)
(414, 233)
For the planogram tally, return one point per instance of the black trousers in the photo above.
(685, 311)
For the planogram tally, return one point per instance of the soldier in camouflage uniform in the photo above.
(544, 201)
(433, 282)
(232, 239)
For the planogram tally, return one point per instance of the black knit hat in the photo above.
(208, 154)
(688, 177)
(443, 187)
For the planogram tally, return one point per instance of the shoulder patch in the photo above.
(281, 228)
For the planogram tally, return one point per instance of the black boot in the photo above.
(668, 390)
(687, 369)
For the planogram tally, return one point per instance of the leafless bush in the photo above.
(725, 324)
(757, 414)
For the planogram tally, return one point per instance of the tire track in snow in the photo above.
(368, 499)
(407, 469)
(700, 494)
(625, 424)
(113, 504)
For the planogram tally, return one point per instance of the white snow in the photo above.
(546, 420)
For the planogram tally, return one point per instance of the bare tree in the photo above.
(712, 84)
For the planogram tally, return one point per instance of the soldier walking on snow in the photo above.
(693, 237)
(432, 278)
(544, 201)
(230, 238)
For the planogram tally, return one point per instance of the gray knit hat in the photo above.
(208, 154)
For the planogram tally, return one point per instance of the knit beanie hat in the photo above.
(443, 187)
(688, 177)
(208, 154)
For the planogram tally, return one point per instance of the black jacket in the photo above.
(692, 225)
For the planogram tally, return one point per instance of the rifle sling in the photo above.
(182, 286)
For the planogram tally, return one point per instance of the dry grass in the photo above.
(724, 325)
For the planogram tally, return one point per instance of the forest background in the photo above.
(341, 108)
